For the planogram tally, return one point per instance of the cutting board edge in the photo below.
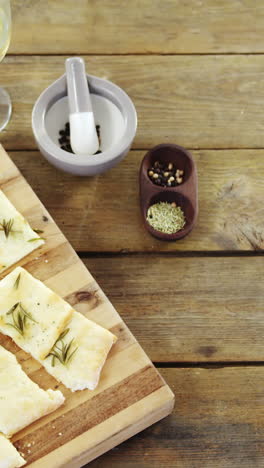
(116, 439)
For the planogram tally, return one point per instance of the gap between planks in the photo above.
(177, 254)
(207, 365)
(134, 54)
(196, 148)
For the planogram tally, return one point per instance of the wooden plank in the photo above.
(131, 394)
(111, 26)
(231, 212)
(195, 101)
(188, 309)
(217, 422)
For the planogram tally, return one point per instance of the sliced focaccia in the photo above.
(78, 356)
(71, 348)
(21, 400)
(30, 313)
(9, 456)
(17, 239)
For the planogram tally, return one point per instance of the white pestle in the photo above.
(83, 136)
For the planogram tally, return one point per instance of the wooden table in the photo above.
(194, 70)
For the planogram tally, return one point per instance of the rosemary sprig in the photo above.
(26, 313)
(20, 317)
(7, 226)
(64, 353)
(19, 321)
(16, 283)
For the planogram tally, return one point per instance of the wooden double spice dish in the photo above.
(168, 182)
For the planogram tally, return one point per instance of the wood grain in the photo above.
(188, 309)
(194, 101)
(131, 394)
(217, 422)
(146, 26)
(231, 211)
(91, 413)
(181, 309)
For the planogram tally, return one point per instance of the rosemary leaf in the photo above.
(56, 355)
(34, 239)
(67, 349)
(38, 231)
(27, 314)
(12, 309)
(64, 352)
(16, 284)
(16, 322)
(62, 335)
(21, 322)
(71, 355)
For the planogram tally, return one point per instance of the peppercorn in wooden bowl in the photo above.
(168, 191)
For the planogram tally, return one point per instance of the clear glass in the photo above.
(5, 34)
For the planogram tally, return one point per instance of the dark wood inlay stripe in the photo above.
(91, 413)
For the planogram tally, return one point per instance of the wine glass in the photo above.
(5, 34)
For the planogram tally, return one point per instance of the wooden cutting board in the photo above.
(131, 394)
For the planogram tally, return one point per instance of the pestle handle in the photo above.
(78, 91)
(83, 136)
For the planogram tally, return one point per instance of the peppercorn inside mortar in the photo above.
(65, 142)
(166, 217)
(165, 175)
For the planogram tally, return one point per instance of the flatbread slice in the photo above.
(77, 358)
(17, 239)
(72, 348)
(21, 400)
(9, 456)
(30, 313)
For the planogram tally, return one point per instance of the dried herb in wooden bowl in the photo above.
(166, 217)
